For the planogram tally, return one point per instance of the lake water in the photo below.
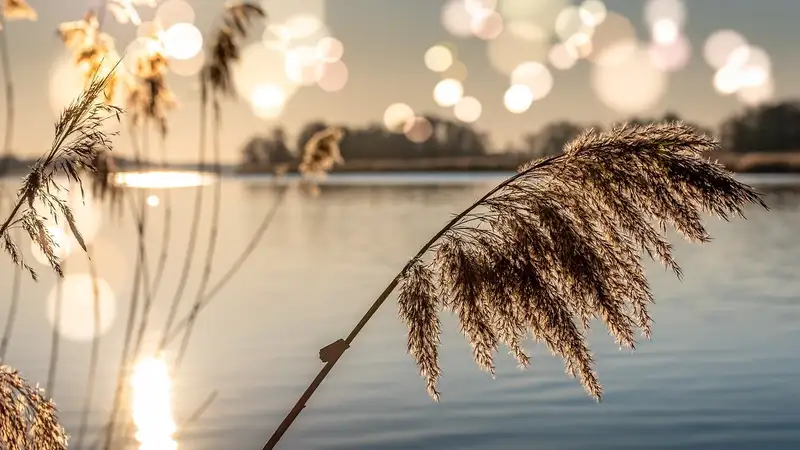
(721, 372)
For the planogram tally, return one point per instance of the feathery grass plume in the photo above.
(27, 419)
(103, 180)
(225, 49)
(18, 10)
(93, 50)
(124, 11)
(320, 154)
(149, 97)
(79, 136)
(557, 245)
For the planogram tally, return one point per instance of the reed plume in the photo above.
(92, 50)
(320, 154)
(556, 246)
(79, 136)
(27, 419)
(18, 10)
(215, 82)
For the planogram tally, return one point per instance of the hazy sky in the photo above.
(384, 45)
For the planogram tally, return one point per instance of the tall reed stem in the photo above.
(55, 340)
(198, 203)
(94, 353)
(301, 403)
(166, 233)
(213, 233)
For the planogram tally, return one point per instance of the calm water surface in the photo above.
(722, 370)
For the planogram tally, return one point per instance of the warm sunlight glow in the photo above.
(456, 19)
(267, 96)
(418, 130)
(182, 41)
(62, 245)
(448, 92)
(720, 45)
(329, 49)
(188, 67)
(535, 76)
(671, 57)
(487, 25)
(468, 109)
(593, 12)
(561, 57)
(665, 31)
(174, 11)
(163, 179)
(302, 65)
(66, 83)
(259, 65)
(333, 76)
(632, 87)
(153, 201)
(518, 98)
(613, 41)
(438, 58)
(396, 116)
(76, 307)
(509, 50)
(152, 406)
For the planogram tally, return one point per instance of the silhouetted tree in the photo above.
(767, 128)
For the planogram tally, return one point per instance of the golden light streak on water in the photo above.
(164, 179)
(152, 408)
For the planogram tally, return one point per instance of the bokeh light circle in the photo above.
(438, 58)
(259, 65)
(468, 109)
(396, 116)
(333, 76)
(456, 19)
(561, 57)
(631, 87)
(720, 45)
(593, 12)
(188, 67)
(174, 11)
(535, 76)
(182, 41)
(77, 307)
(613, 41)
(671, 57)
(487, 26)
(418, 130)
(518, 99)
(509, 50)
(448, 92)
(330, 49)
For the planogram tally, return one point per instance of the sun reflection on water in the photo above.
(152, 409)
(163, 179)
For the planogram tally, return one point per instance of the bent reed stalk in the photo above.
(554, 247)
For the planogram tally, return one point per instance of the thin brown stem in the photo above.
(16, 283)
(301, 403)
(55, 341)
(94, 353)
(165, 237)
(196, 414)
(193, 232)
(213, 234)
(234, 268)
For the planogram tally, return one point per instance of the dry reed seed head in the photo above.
(321, 153)
(225, 46)
(149, 97)
(27, 418)
(124, 11)
(18, 10)
(79, 137)
(559, 245)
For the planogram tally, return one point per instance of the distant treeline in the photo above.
(769, 134)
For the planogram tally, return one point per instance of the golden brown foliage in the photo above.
(149, 96)
(18, 10)
(559, 244)
(322, 152)
(225, 46)
(93, 50)
(27, 419)
(79, 137)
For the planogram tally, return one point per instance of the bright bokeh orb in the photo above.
(77, 307)
(561, 57)
(396, 116)
(174, 11)
(302, 65)
(448, 92)
(333, 76)
(518, 99)
(569, 22)
(535, 76)
(529, 18)
(613, 41)
(593, 12)
(153, 201)
(268, 96)
(330, 49)
(726, 80)
(480, 7)
(632, 87)
(509, 50)
(303, 26)
(468, 109)
(757, 94)
(66, 83)
(720, 45)
(182, 41)
(258, 66)
(673, 10)
(456, 19)
(487, 26)
(418, 130)
(438, 58)
(62, 245)
(188, 67)
(671, 57)
(579, 45)
(151, 405)
(457, 71)
(665, 31)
